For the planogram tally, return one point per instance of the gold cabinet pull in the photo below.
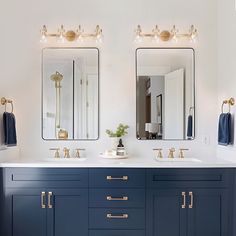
(50, 200)
(191, 200)
(183, 200)
(43, 205)
(110, 198)
(124, 178)
(123, 216)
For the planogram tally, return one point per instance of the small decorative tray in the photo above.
(103, 155)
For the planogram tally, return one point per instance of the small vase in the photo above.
(114, 142)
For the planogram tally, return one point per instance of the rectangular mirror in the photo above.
(70, 93)
(165, 93)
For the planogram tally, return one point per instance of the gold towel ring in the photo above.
(230, 102)
(5, 101)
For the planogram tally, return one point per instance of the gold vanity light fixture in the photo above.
(166, 35)
(71, 35)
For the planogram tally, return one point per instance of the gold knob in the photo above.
(159, 152)
(57, 154)
(181, 152)
(77, 155)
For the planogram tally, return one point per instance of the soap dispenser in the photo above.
(120, 149)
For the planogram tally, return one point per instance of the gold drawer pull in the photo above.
(184, 200)
(110, 198)
(50, 200)
(191, 200)
(124, 178)
(43, 205)
(123, 216)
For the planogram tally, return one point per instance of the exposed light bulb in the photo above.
(43, 32)
(193, 34)
(99, 35)
(61, 38)
(80, 39)
(138, 35)
(156, 33)
(174, 33)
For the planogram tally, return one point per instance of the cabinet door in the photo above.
(165, 215)
(68, 214)
(209, 212)
(25, 212)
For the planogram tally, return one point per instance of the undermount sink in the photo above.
(179, 160)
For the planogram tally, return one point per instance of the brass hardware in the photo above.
(66, 152)
(166, 35)
(63, 134)
(110, 198)
(71, 35)
(43, 205)
(183, 200)
(5, 101)
(171, 153)
(181, 152)
(124, 178)
(230, 102)
(159, 152)
(191, 200)
(57, 154)
(50, 200)
(77, 155)
(123, 216)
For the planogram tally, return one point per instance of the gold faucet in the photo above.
(159, 152)
(171, 153)
(57, 154)
(66, 152)
(181, 152)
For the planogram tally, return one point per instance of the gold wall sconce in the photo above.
(78, 35)
(158, 35)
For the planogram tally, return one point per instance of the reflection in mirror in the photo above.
(165, 93)
(70, 93)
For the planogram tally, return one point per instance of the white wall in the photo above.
(226, 62)
(21, 64)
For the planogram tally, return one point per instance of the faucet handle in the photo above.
(181, 152)
(57, 154)
(66, 152)
(77, 155)
(171, 152)
(159, 152)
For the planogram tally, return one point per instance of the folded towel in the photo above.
(224, 129)
(190, 127)
(9, 126)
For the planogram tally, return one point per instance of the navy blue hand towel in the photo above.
(224, 129)
(190, 127)
(9, 126)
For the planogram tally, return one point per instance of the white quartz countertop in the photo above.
(132, 162)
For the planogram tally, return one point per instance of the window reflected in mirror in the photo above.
(165, 94)
(70, 93)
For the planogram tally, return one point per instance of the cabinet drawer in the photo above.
(46, 177)
(117, 198)
(121, 218)
(116, 233)
(117, 178)
(184, 177)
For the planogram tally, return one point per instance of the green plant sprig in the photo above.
(120, 131)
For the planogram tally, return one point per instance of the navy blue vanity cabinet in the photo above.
(46, 202)
(189, 202)
(117, 202)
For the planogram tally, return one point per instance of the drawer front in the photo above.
(116, 233)
(121, 218)
(117, 178)
(46, 177)
(117, 198)
(180, 178)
